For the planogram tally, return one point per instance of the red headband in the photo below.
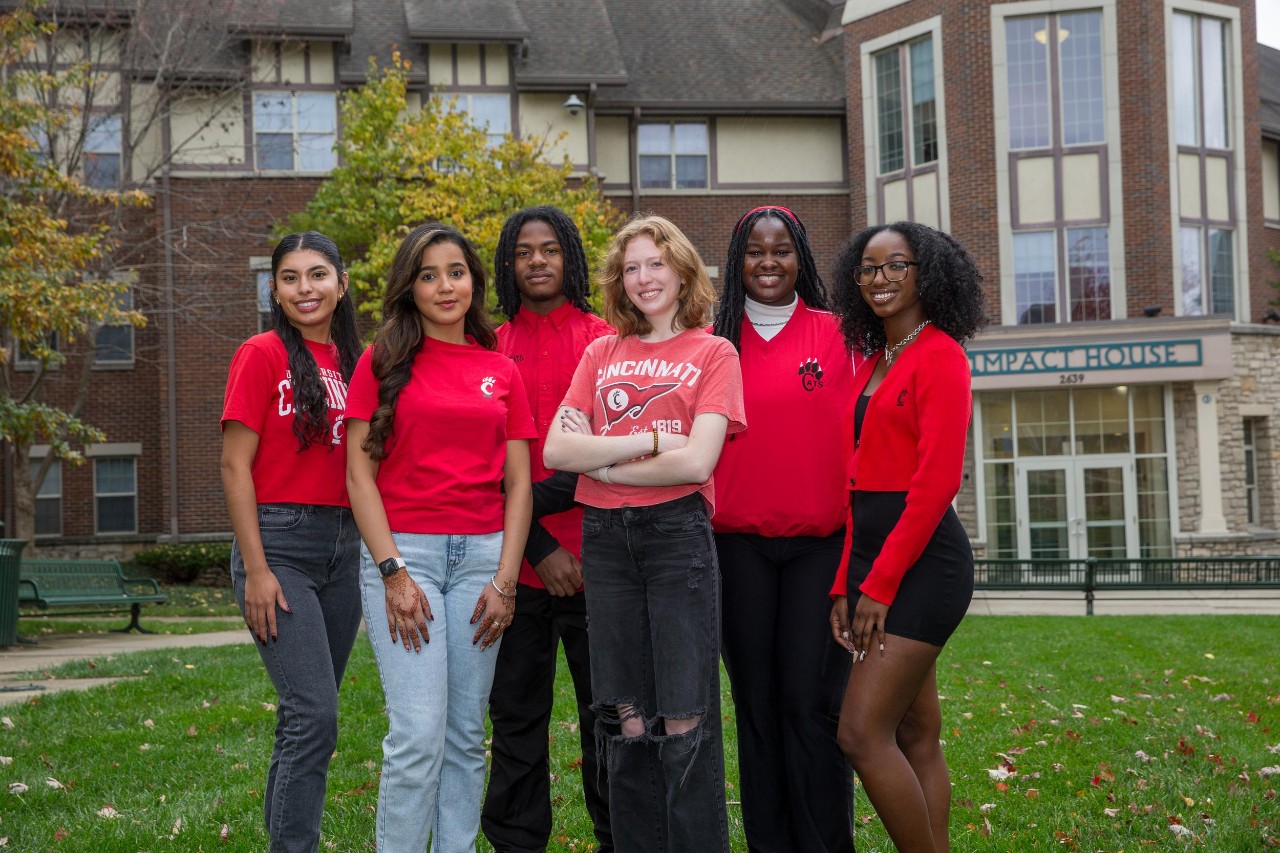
(777, 207)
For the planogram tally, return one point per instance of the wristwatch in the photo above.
(390, 566)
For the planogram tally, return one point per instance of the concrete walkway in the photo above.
(50, 652)
(53, 651)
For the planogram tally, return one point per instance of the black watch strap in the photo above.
(390, 566)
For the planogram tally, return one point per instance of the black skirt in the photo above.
(935, 592)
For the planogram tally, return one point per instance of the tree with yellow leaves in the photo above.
(400, 167)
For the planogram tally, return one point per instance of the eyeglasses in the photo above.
(894, 271)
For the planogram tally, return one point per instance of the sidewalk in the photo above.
(54, 651)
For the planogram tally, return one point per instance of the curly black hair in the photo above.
(733, 296)
(947, 280)
(577, 277)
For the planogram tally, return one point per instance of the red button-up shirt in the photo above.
(546, 349)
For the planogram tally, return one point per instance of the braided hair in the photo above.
(311, 423)
(809, 287)
(577, 278)
(947, 280)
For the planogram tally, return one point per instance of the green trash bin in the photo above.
(10, 561)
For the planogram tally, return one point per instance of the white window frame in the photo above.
(1236, 134)
(114, 452)
(260, 267)
(931, 27)
(104, 137)
(1111, 135)
(294, 130)
(45, 493)
(673, 155)
(123, 363)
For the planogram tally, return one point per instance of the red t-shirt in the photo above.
(629, 386)
(448, 446)
(783, 476)
(260, 396)
(546, 348)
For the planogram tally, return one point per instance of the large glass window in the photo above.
(295, 131)
(673, 155)
(1206, 162)
(906, 108)
(115, 494)
(49, 499)
(490, 111)
(1067, 446)
(1056, 139)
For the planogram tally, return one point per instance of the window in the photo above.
(295, 131)
(673, 155)
(1057, 146)
(115, 495)
(1205, 164)
(25, 359)
(48, 499)
(264, 299)
(113, 345)
(1252, 506)
(491, 112)
(906, 111)
(103, 144)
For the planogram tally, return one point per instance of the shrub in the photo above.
(185, 563)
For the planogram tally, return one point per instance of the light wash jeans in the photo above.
(314, 553)
(433, 754)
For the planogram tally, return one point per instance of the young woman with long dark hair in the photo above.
(295, 557)
(439, 480)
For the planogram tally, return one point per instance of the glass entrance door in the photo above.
(1074, 508)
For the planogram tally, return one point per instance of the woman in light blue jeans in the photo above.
(295, 557)
(439, 481)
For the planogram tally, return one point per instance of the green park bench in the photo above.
(99, 584)
(1129, 576)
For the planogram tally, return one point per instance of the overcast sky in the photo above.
(1269, 22)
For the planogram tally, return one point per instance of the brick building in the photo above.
(682, 114)
(1113, 166)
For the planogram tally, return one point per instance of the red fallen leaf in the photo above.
(1070, 734)
(1104, 770)
(1185, 748)
(60, 834)
(1001, 786)
(1251, 717)
(576, 764)
(1270, 841)
(1173, 818)
(1032, 794)
(1097, 782)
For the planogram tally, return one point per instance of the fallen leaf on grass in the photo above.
(177, 828)
(6, 722)
(6, 760)
(1111, 812)
(1274, 748)
(1266, 772)
(54, 783)
(1142, 756)
(17, 788)
(1115, 698)
(987, 807)
(149, 724)
(225, 833)
(1181, 832)
(108, 811)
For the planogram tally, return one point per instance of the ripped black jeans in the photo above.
(653, 613)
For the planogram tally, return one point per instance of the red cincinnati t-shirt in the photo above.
(546, 349)
(443, 471)
(629, 386)
(783, 476)
(260, 396)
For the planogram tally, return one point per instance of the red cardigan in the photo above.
(913, 438)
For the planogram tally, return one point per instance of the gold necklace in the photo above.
(892, 352)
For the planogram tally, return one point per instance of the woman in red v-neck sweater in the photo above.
(909, 296)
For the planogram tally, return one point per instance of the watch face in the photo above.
(390, 566)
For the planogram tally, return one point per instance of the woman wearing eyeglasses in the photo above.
(908, 297)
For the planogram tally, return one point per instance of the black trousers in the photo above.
(516, 817)
(788, 679)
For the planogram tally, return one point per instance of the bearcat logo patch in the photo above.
(627, 399)
(810, 374)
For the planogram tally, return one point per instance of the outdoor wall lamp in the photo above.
(573, 104)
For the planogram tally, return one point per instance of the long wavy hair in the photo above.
(577, 277)
(311, 423)
(696, 293)
(947, 280)
(400, 336)
(733, 296)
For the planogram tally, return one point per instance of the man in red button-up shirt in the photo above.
(542, 283)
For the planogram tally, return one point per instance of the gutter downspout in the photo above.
(170, 338)
(591, 132)
(635, 159)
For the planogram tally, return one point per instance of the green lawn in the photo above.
(1112, 730)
